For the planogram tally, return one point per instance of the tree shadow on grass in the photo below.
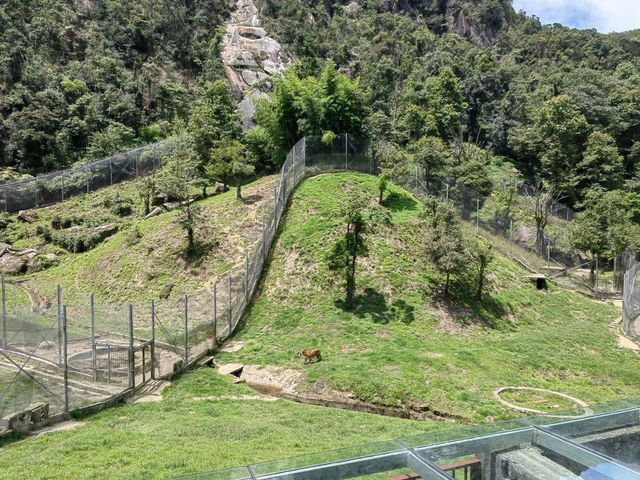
(374, 304)
(194, 257)
(251, 199)
(486, 311)
(398, 202)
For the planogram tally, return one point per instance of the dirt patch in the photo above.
(625, 342)
(271, 380)
(455, 320)
(232, 346)
(238, 398)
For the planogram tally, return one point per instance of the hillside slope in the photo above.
(405, 345)
(145, 258)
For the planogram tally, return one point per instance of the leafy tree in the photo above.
(383, 184)
(445, 104)
(147, 190)
(562, 130)
(431, 155)
(588, 234)
(360, 220)
(541, 201)
(444, 243)
(602, 166)
(178, 177)
(214, 120)
(113, 139)
(608, 225)
(311, 106)
(231, 161)
(481, 254)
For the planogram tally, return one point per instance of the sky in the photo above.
(604, 15)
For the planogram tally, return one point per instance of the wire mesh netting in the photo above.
(58, 186)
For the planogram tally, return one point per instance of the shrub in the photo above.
(59, 222)
(44, 232)
(119, 204)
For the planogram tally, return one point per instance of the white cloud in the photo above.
(603, 15)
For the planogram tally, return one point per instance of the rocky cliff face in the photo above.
(251, 58)
(477, 20)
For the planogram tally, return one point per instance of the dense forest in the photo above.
(82, 79)
(562, 104)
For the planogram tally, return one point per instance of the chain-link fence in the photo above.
(58, 186)
(529, 225)
(71, 354)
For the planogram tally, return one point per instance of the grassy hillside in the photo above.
(405, 345)
(197, 427)
(144, 257)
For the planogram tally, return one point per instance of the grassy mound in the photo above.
(406, 345)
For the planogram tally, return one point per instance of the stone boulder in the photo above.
(15, 261)
(154, 213)
(27, 217)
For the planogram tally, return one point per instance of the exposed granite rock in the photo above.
(251, 58)
(15, 261)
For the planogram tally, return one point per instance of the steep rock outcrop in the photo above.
(251, 58)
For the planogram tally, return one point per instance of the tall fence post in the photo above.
(66, 363)
(346, 151)
(132, 357)
(304, 154)
(264, 240)
(4, 312)
(153, 340)
(59, 321)
(214, 296)
(275, 201)
(230, 306)
(246, 278)
(186, 330)
(93, 337)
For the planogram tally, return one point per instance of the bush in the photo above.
(5, 220)
(59, 222)
(119, 204)
(78, 241)
(44, 232)
(134, 235)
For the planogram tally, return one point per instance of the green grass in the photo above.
(185, 433)
(405, 344)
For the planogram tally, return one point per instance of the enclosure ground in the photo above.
(188, 433)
